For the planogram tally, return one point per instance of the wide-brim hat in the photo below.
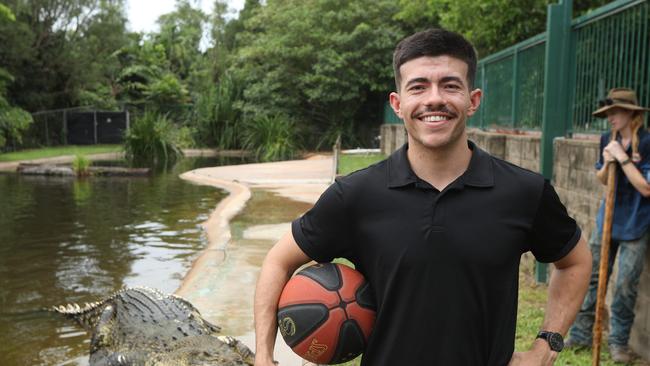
(618, 98)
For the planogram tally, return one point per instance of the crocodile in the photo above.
(142, 326)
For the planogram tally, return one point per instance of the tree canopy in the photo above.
(324, 66)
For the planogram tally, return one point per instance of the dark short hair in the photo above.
(434, 42)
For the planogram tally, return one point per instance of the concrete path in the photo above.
(210, 282)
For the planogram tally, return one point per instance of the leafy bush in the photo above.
(13, 120)
(271, 137)
(80, 165)
(216, 116)
(152, 140)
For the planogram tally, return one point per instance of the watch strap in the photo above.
(554, 340)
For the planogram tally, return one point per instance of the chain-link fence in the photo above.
(74, 126)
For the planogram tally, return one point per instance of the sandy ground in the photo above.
(222, 279)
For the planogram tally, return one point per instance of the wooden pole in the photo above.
(604, 260)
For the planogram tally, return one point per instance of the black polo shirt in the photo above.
(443, 265)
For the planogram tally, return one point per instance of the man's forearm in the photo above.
(567, 288)
(268, 290)
(280, 263)
(566, 292)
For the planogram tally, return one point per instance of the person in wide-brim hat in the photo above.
(618, 98)
(625, 148)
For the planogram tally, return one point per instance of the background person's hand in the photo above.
(607, 157)
(615, 149)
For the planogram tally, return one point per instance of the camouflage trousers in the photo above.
(631, 256)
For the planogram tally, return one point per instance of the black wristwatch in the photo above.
(555, 340)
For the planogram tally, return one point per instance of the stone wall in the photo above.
(522, 150)
(575, 183)
(392, 137)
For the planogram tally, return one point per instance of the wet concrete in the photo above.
(221, 283)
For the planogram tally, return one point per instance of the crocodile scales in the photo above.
(143, 326)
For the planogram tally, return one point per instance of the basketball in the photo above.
(326, 313)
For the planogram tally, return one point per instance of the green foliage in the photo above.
(492, 25)
(80, 165)
(6, 13)
(58, 48)
(13, 120)
(271, 137)
(317, 61)
(152, 140)
(215, 115)
(324, 63)
(180, 34)
(13, 123)
(146, 80)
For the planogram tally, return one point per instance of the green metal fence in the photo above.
(512, 81)
(389, 115)
(611, 48)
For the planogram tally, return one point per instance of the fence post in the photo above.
(65, 127)
(95, 125)
(484, 87)
(558, 39)
(515, 89)
(47, 133)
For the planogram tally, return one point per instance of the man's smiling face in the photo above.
(434, 100)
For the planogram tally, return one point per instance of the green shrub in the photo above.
(80, 165)
(271, 137)
(215, 115)
(152, 140)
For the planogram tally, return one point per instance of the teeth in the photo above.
(434, 118)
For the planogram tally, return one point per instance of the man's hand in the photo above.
(539, 355)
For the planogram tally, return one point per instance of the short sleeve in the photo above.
(323, 232)
(554, 232)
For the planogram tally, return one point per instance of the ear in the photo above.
(474, 101)
(395, 104)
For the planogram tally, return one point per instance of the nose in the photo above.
(434, 97)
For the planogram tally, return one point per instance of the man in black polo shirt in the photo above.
(438, 230)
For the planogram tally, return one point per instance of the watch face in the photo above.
(555, 341)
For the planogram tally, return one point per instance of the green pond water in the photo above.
(65, 240)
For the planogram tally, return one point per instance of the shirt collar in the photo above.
(479, 173)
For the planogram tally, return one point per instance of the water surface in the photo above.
(67, 240)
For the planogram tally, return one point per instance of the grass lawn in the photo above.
(532, 296)
(48, 152)
(351, 163)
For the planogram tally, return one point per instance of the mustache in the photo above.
(442, 109)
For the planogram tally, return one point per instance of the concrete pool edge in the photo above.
(217, 229)
(301, 180)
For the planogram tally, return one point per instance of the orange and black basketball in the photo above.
(326, 312)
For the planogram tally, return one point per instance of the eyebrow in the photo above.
(416, 81)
